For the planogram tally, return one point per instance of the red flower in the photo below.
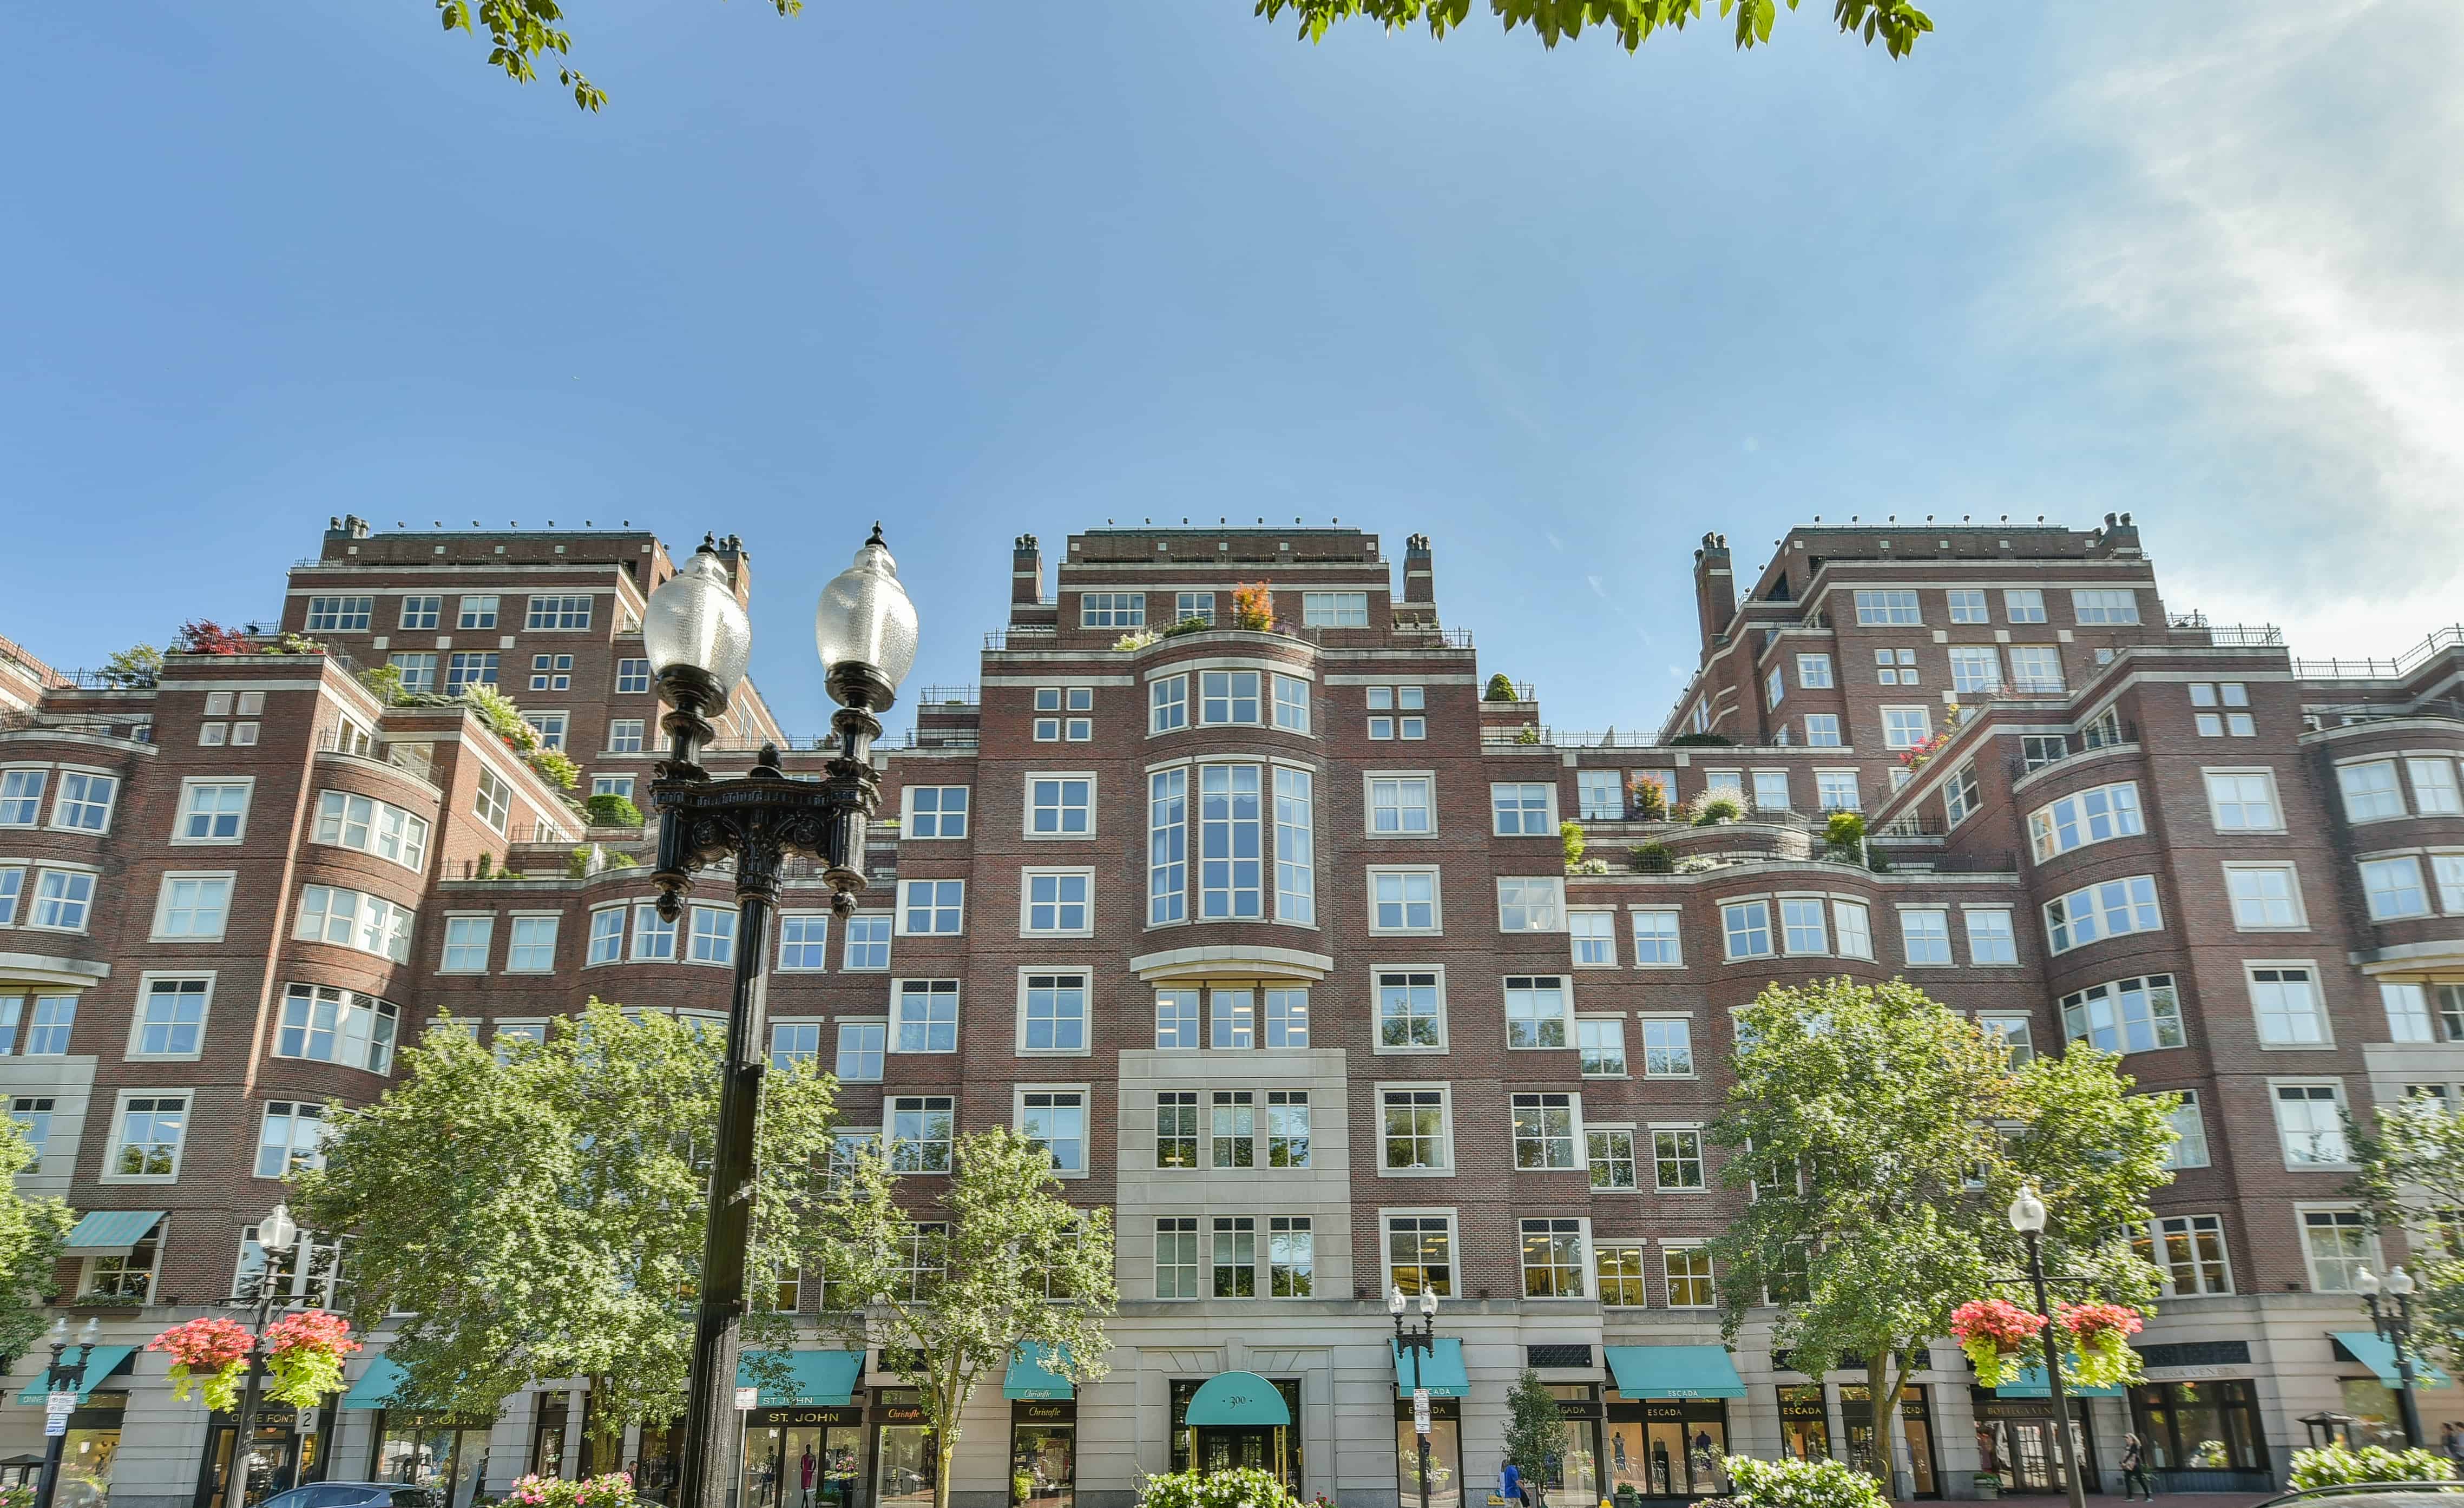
(204, 1346)
(1999, 1320)
(2088, 1321)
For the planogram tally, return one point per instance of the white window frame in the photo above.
(898, 1020)
(1887, 605)
(2392, 793)
(1676, 935)
(1941, 913)
(1553, 886)
(2320, 1013)
(1925, 719)
(907, 815)
(1445, 1169)
(189, 786)
(595, 936)
(2094, 607)
(1378, 1009)
(1437, 900)
(2208, 778)
(1086, 1121)
(1522, 811)
(1112, 609)
(487, 925)
(1970, 918)
(119, 1130)
(1647, 1019)
(1370, 780)
(110, 804)
(1729, 931)
(1564, 1012)
(1607, 920)
(2104, 934)
(2373, 1257)
(1812, 673)
(1061, 811)
(1862, 933)
(1026, 879)
(1331, 609)
(2300, 922)
(229, 879)
(146, 982)
(903, 930)
(2374, 896)
(2276, 1116)
(514, 943)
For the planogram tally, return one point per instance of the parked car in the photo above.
(355, 1495)
(2373, 1494)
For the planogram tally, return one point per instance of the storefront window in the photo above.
(1916, 1425)
(450, 1460)
(1664, 1447)
(1445, 1456)
(802, 1458)
(1804, 1422)
(273, 1465)
(1574, 1475)
(1043, 1465)
(547, 1435)
(2209, 1426)
(2014, 1439)
(86, 1458)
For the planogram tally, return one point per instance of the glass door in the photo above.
(904, 1467)
(1445, 1457)
(1043, 1465)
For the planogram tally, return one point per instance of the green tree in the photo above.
(138, 665)
(539, 1214)
(2411, 1178)
(32, 1232)
(1535, 1432)
(998, 1261)
(1881, 1138)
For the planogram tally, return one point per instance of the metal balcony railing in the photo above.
(2437, 642)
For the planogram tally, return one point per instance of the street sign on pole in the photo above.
(748, 1397)
(57, 1408)
(1419, 1410)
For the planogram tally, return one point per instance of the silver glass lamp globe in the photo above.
(864, 628)
(2028, 1211)
(696, 634)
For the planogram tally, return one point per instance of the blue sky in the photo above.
(980, 267)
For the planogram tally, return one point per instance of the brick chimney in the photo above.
(1715, 588)
(1420, 576)
(1026, 572)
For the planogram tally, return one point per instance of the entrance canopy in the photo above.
(1031, 1377)
(1675, 1371)
(815, 1379)
(1441, 1372)
(105, 1361)
(375, 1385)
(2033, 1383)
(2362, 1346)
(1237, 1398)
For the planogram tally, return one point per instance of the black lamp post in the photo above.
(2394, 1322)
(1419, 1340)
(276, 1234)
(2027, 1217)
(700, 641)
(64, 1377)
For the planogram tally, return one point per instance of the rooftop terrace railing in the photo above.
(2438, 641)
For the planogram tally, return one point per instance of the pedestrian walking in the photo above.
(2134, 1470)
(1510, 1485)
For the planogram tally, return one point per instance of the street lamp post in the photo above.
(276, 1234)
(64, 1377)
(2394, 1323)
(1419, 1340)
(2027, 1217)
(700, 641)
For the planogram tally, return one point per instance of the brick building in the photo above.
(1268, 932)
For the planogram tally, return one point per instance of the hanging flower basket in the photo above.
(1998, 1336)
(2101, 1334)
(303, 1356)
(209, 1354)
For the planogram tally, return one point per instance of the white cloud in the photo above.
(2274, 258)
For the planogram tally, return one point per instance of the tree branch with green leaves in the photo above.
(32, 1233)
(1881, 1137)
(2411, 1180)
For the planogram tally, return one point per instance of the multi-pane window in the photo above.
(2434, 787)
(2188, 1251)
(2370, 790)
(84, 802)
(1688, 1270)
(1234, 1259)
(624, 735)
(1419, 1253)
(1801, 924)
(2310, 1122)
(1335, 609)
(1197, 606)
(1968, 606)
(929, 908)
(1055, 1120)
(1599, 795)
(1677, 1157)
(1411, 1012)
(1959, 794)
(1925, 934)
(1287, 1128)
(2392, 888)
(862, 1047)
(422, 612)
(171, 1017)
(1529, 905)
(1990, 936)
(1544, 1130)
(1600, 1040)
(492, 801)
(2338, 1245)
(1292, 704)
(2013, 1032)
(1288, 1018)
(1656, 938)
(1853, 929)
(1413, 1125)
(803, 941)
(2023, 605)
(477, 612)
(1976, 668)
(326, 1025)
(2243, 802)
(1525, 809)
(21, 797)
(2264, 896)
(1552, 1259)
(1176, 1129)
(2035, 669)
(418, 671)
(2086, 816)
(1053, 702)
(632, 676)
(1231, 866)
(1896, 667)
(2126, 1016)
(1291, 1257)
(1774, 688)
(1397, 712)
(868, 942)
(1057, 902)
(1112, 609)
(1747, 927)
(712, 939)
(924, 1016)
(1227, 696)
(2408, 1014)
(551, 673)
(1535, 1011)
(937, 811)
(213, 812)
(1167, 704)
(1667, 1047)
(1059, 807)
(373, 827)
(339, 614)
(2106, 606)
(1167, 845)
(470, 668)
(1177, 1257)
(291, 1138)
(351, 919)
(1770, 789)
(1814, 671)
(1232, 1128)
(1595, 937)
(1905, 727)
(466, 944)
(1234, 1017)
(1295, 846)
(1176, 1018)
(1822, 732)
(2285, 997)
(792, 1043)
(1053, 1014)
(921, 1128)
(33, 1114)
(1611, 1155)
(923, 1253)
(1618, 1270)
(1887, 607)
(2097, 911)
(2189, 1148)
(62, 897)
(192, 905)
(559, 612)
(48, 1029)
(1400, 804)
(150, 1131)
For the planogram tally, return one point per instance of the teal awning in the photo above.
(112, 1233)
(2032, 1384)
(1238, 1398)
(1030, 1378)
(105, 1361)
(2360, 1345)
(376, 1385)
(1441, 1372)
(818, 1379)
(1675, 1371)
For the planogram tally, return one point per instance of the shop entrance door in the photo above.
(2021, 1451)
(1223, 1447)
(273, 1466)
(1043, 1465)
